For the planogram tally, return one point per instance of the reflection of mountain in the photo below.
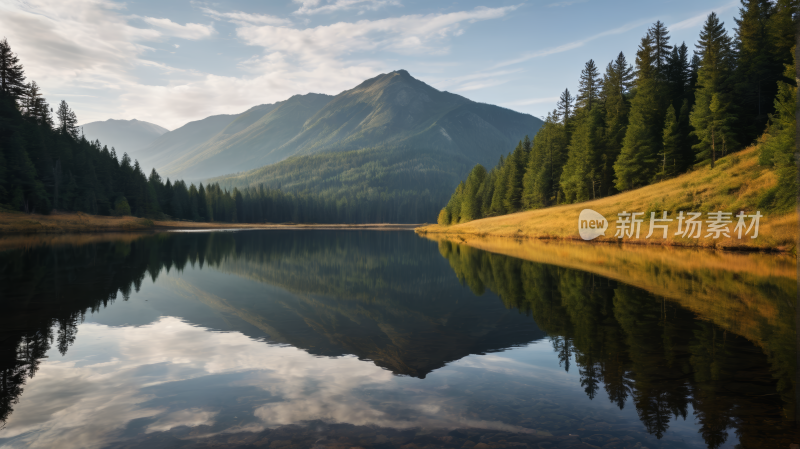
(640, 347)
(371, 294)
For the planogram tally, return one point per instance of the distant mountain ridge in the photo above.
(390, 111)
(126, 136)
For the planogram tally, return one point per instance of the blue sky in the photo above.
(173, 61)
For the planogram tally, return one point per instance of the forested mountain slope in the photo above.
(391, 111)
(177, 144)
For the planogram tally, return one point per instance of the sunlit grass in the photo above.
(736, 184)
(21, 223)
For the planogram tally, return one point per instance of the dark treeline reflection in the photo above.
(634, 348)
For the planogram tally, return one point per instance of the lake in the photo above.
(382, 339)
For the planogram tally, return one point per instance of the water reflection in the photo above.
(366, 338)
(655, 351)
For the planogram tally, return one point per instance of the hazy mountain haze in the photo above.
(126, 136)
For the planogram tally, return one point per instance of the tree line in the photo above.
(672, 113)
(46, 164)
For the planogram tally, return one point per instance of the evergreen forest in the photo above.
(668, 113)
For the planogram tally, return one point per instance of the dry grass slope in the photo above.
(736, 184)
(21, 223)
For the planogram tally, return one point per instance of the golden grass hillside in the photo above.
(22, 223)
(735, 184)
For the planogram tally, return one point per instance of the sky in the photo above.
(169, 62)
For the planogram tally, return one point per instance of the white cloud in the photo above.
(192, 31)
(574, 44)
(313, 6)
(243, 18)
(411, 33)
(697, 20)
(566, 3)
(474, 81)
(530, 101)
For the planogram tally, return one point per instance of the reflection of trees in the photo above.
(47, 291)
(368, 294)
(652, 352)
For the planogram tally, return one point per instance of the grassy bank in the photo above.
(15, 223)
(737, 183)
(21, 223)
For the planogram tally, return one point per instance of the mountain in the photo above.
(392, 111)
(126, 136)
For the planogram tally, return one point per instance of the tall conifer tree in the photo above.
(12, 75)
(659, 38)
(757, 70)
(617, 83)
(589, 87)
(565, 106)
(637, 161)
(712, 114)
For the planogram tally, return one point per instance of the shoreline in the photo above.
(20, 223)
(436, 232)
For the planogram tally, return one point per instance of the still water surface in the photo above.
(286, 339)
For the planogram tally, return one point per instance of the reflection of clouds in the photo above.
(71, 404)
(74, 407)
(192, 417)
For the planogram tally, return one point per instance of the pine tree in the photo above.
(453, 207)
(633, 167)
(67, 121)
(12, 75)
(757, 71)
(589, 87)
(713, 127)
(580, 178)
(659, 37)
(500, 186)
(711, 115)
(778, 149)
(671, 147)
(783, 30)
(515, 171)
(637, 161)
(687, 157)
(548, 154)
(565, 106)
(678, 74)
(202, 206)
(617, 83)
(471, 201)
(486, 193)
